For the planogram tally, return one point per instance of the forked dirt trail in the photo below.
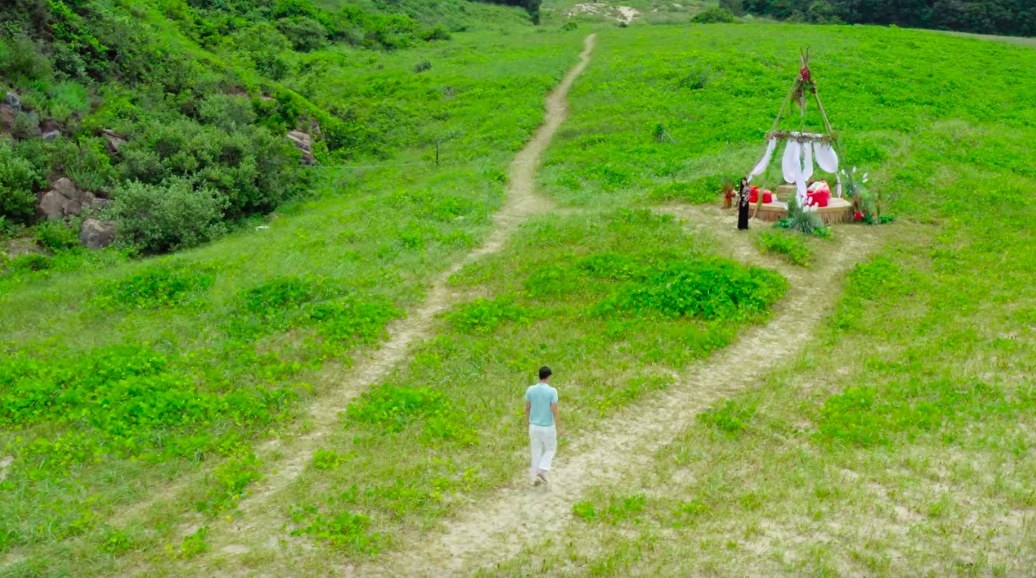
(497, 529)
(287, 459)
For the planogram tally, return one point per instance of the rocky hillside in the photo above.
(160, 124)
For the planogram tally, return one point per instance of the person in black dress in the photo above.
(742, 205)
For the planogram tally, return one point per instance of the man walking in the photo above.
(541, 413)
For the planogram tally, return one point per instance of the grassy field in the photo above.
(898, 443)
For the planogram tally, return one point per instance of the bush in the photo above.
(251, 169)
(55, 235)
(803, 219)
(226, 111)
(791, 248)
(713, 16)
(18, 179)
(167, 217)
(305, 34)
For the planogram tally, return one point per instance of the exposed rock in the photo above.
(13, 101)
(65, 187)
(65, 200)
(301, 140)
(52, 205)
(304, 143)
(51, 134)
(115, 140)
(7, 115)
(97, 234)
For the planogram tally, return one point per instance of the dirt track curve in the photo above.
(285, 459)
(495, 530)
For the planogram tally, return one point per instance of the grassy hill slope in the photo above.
(120, 376)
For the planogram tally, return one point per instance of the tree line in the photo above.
(1003, 17)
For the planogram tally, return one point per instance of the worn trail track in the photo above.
(285, 459)
(496, 529)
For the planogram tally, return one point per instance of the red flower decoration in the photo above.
(858, 216)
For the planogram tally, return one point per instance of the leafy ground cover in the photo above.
(910, 411)
(900, 440)
(593, 294)
(119, 376)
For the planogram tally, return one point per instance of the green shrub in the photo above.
(713, 16)
(55, 235)
(167, 217)
(67, 100)
(30, 262)
(226, 111)
(803, 219)
(304, 34)
(792, 249)
(252, 170)
(22, 61)
(18, 180)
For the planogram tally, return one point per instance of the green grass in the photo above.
(911, 411)
(906, 429)
(234, 333)
(788, 246)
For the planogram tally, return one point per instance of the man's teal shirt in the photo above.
(540, 396)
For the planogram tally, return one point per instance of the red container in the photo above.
(753, 196)
(819, 198)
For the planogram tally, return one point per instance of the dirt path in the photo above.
(497, 529)
(285, 459)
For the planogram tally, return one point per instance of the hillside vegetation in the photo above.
(135, 394)
(169, 118)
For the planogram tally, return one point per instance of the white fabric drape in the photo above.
(791, 163)
(826, 157)
(765, 162)
(807, 163)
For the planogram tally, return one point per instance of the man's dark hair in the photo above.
(545, 372)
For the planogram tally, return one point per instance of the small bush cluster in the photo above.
(394, 409)
(791, 248)
(706, 289)
(713, 16)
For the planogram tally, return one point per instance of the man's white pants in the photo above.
(543, 444)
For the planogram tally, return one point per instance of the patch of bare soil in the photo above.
(286, 458)
(496, 529)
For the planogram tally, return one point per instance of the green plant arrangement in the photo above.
(868, 207)
(803, 219)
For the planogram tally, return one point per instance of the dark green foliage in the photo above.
(713, 16)
(1010, 17)
(156, 286)
(247, 169)
(30, 262)
(531, 6)
(166, 217)
(19, 180)
(56, 235)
